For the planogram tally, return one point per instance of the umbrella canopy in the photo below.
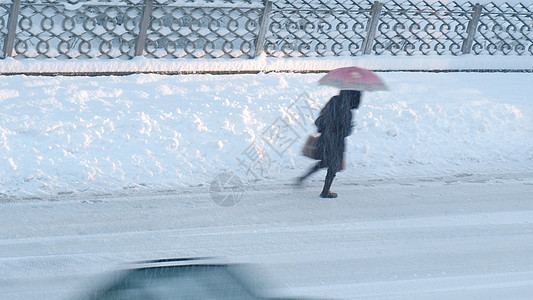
(353, 78)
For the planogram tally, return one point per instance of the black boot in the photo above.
(326, 192)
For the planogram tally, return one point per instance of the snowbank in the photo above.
(110, 134)
(265, 64)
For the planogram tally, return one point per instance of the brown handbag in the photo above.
(310, 147)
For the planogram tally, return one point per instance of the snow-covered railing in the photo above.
(399, 27)
(246, 28)
(127, 28)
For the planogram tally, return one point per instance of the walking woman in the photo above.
(334, 125)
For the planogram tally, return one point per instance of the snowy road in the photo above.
(458, 236)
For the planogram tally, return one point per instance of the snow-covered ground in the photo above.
(110, 134)
(436, 202)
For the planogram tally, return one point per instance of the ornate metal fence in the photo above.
(436, 28)
(245, 28)
(210, 30)
(85, 30)
(398, 27)
(305, 28)
(506, 29)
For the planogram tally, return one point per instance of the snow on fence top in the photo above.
(246, 28)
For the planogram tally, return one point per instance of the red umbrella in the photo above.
(353, 78)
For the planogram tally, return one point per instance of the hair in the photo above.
(352, 98)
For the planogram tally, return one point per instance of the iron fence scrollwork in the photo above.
(317, 28)
(81, 29)
(198, 31)
(505, 29)
(246, 28)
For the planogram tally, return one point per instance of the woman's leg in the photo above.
(326, 193)
(314, 169)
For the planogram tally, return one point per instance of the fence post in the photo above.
(263, 29)
(11, 28)
(372, 26)
(472, 29)
(145, 21)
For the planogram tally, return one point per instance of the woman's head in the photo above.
(352, 98)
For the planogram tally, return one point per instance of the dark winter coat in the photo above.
(334, 124)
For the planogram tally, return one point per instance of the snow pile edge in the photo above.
(10, 66)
